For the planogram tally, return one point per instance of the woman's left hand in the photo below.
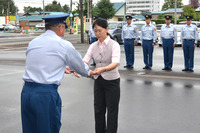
(98, 71)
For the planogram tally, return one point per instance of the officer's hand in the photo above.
(194, 45)
(76, 74)
(141, 44)
(123, 43)
(98, 71)
(91, 73)
(182, 45)
(68, 70)
(174, 45)
(135, 42)
(153, 44)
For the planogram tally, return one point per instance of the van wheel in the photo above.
(115, 38)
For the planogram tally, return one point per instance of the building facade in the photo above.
(135, 7)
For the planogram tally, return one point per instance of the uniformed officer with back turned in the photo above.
(129, 37)
(168, 38)
(148, 37)
(48, 57)
(189, 38)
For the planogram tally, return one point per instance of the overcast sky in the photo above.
(39, 3)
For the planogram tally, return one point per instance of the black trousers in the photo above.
(106, 98)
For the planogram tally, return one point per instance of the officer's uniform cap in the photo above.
(56, 18)
(147, 16)
(189, 17)
(128, 17)
(94, 17)
(168, 17)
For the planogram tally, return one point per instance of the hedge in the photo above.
(162, 21)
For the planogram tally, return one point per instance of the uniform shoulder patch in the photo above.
(175, 30)
(154, 29)
(196, 29)
(136, 28)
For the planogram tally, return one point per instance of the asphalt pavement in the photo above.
(152, 101)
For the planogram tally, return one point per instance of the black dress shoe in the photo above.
(125, 66)
(145, 67)
(164, 68)
(169, 69)
(190, 70)
(185, 69)
(130, 67)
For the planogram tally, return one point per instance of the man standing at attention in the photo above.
(168, 37)
(46, 59)
(129, 37)
(148, 38)
(189, 38)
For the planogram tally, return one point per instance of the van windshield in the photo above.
(112, 26)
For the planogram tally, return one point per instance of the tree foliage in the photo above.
(56, 7)
(161, 16)
(171, 4)
(84, 11)
(32, 9)
(104, 9)
(4, 7)
(188, 10)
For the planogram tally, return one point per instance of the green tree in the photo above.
(160, 16)
(85, 9)
(188, 10)
(66, 8)
(4, 7)
(32, 9)
(104, 9)
(55, 6)
(171, 4)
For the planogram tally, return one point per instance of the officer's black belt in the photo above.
(189, 40)
(148, 40)
(167, 38)
(130, 39)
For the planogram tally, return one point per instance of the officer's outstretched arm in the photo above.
(75, 62)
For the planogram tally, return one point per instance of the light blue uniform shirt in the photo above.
(91, 32)
(47, 56)
(130, 32)
(189, 32)
(168, 32)
(148, 32)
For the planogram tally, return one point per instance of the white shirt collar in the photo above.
(106, 40)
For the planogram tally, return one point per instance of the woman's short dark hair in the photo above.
(102, 23)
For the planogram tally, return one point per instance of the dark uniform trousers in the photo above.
(40, 108)
(168, 50)
(188, 50)
(129, 51)
(148, 52)
(106, 96)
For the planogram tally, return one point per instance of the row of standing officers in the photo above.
(168, 37)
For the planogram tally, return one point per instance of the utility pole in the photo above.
(70, 30)
(8, 10)
(43, 8)
(89, 8)
(175, 12)
(82, 23)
